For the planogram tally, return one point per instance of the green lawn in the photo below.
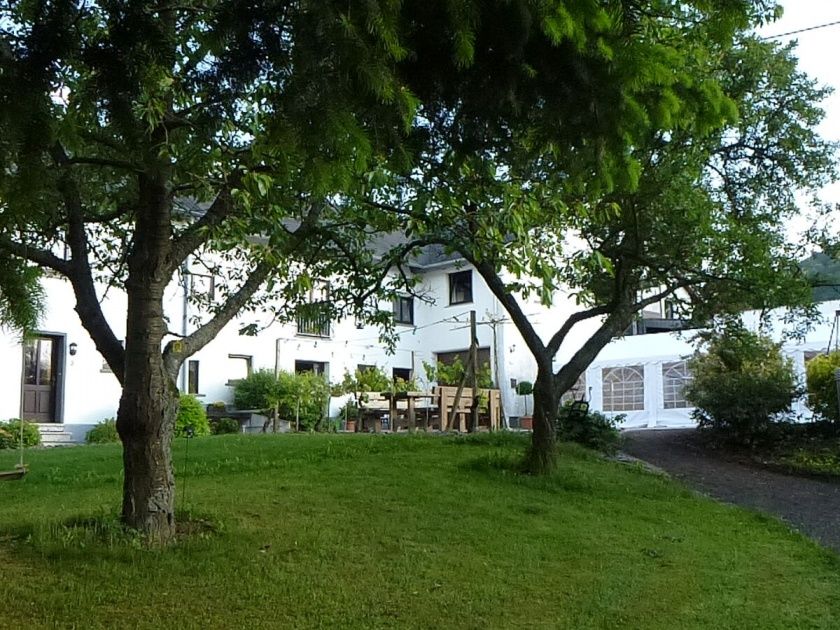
(399, 531)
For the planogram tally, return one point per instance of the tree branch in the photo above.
(557, 339)
(520, 320)
(177, 351)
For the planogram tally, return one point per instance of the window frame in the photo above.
(453, 279)
(673, 388)
(193, 377)
(623, 395)
(249, 367)
(398, 308)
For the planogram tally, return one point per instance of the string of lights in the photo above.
(802, 30)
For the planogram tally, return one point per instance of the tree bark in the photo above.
(542, 454)
(149, 402)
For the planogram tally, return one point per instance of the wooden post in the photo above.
(474, 362)
(458, 393)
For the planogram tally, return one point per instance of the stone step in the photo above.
(54, 435)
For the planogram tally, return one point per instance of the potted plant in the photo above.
(525, 388)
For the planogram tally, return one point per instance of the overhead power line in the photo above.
(803, 30)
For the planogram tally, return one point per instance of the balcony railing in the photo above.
(313, 321)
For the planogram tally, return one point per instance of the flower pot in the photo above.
(526, 422)
(351, 426)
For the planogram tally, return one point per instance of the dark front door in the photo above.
(40, 375)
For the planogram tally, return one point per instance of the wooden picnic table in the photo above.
(410, 399)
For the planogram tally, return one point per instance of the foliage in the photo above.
(259, 390)
(524, 388)
(593, 430)
(221, 426)
(103, 433)
(191, 413)
(10, 434)
(740, 382)
(303, 399)
(694, 210)
(21, 295)
(349, 411)
(452, 373)
(822, 385)
(370, 379)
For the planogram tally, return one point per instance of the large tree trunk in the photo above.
(149, 402)
(542, 454)
(146, 416)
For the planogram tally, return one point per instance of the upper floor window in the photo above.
(404, 309)
(314, 318)
(460, 287)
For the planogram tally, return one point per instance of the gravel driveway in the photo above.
(811, 506)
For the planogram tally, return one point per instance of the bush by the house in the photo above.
(103, 433)
(10, 434)
(299, 398)
(822, 387)
(741, 383)
(222, 426)
(259, 390)
(303, 399)
(593, 429)
(191, 413)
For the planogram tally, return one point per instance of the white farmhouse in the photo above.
(58, 379)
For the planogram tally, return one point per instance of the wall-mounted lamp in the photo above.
(73, 347)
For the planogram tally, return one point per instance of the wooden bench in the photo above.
(489, 407)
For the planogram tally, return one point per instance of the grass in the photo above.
(398, 531)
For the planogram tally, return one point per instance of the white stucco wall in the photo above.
(91, 393)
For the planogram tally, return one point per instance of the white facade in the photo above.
(86, 392)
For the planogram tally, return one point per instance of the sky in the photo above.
(818, 56)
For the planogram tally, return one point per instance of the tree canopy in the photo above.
(138, 138)
(693, 209)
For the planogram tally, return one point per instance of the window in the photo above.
(192, 377)
(460, 287)
(239, 367)
(577, 391)
(404, 309)
(202, 285)
(310, 366)
(401, 373)
(623, 388)
(675, 376)
(314, 318)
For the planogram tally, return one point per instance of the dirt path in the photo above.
(810, 505)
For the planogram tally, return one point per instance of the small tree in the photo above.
(525, 389)
(822, 386)
(741, 382)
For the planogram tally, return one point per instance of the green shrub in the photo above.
(103, 433)
(593, 429)
(7, 440)
(740, 384)
(191, 414)
(452, 373)
(303, 397)
(10, 434)
(260, 390)
(225, 425)
(822, 387)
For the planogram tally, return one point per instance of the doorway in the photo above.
(43, 369)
